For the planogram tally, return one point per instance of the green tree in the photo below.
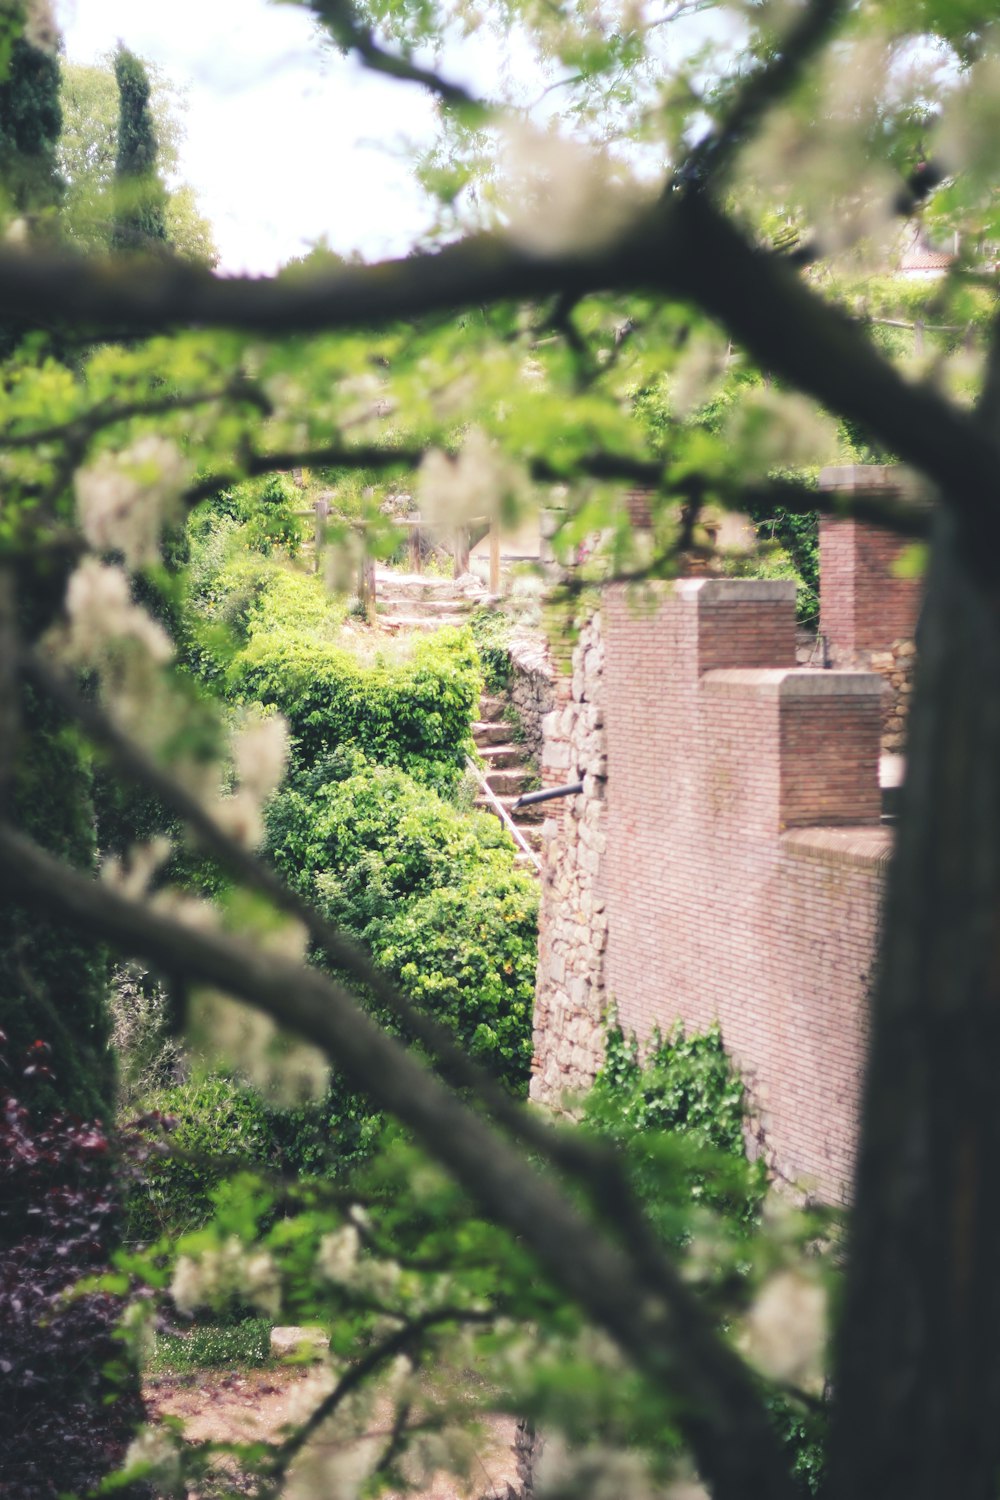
(140, 209)
(30, 122)
(88, 151)
(509, 358)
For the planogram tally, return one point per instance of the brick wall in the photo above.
(716, 909)
(868, 613)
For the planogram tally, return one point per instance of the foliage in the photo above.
(140, 195)
(30, 122)
(434, 893)
(414, 712)
(211, 1346)
(684, 1084)
(491, 631)
(87, 150)
(54, 985)
(218, 1125)
(66, 1423)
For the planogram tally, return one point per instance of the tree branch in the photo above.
(660, 1327)
(340, 19)
(710, 160)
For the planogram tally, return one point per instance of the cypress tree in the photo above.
(30, 124)
(140, 221)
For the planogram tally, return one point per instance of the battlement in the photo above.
(727, 859)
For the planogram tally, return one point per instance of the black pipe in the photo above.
(555, 791)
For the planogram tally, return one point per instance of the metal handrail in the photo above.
(504, 815)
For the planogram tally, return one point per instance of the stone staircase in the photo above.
(507, 772)
(423, 601)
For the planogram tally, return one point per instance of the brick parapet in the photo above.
(712, 909)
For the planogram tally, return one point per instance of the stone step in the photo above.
(450, 608)
(507, 782)
(499, 757)
(491, 709)
(487, 733)
(525, 862)
(416, 585)
(393, 624)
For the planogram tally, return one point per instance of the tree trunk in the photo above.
(917, 1378)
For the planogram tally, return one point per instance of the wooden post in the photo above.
(494, 558)
(322, 510)
(414, 549)
(366, 588)
(461, 551)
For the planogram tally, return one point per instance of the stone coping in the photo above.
(793, 682)
(867, 846)
(736, 590)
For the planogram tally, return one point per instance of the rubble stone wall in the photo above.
(531, 689)
(570, 998)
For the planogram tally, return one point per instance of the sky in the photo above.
(280, 132)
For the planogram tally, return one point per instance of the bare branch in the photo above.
(658, 1324)
(712, 157)
(341, 20)
(79, 430)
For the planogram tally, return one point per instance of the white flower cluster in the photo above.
(155, 1455)
(784, 1333)
(131, 877)
(476, 483)
(214, 1277)
(101, 613)
(222, 1028)
(123, 499)
(40, 27)
(260, 751)
(593, 1473)
(563, 196)
(770, 428)
(337, 1255)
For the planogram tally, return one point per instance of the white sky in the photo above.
(276, 128)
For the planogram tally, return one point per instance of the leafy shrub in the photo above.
(414, 713)
(433, 892)
(53, 983)
(467, 954)
(65, 1424)
(491, 631)
(263, 509)
(218, 1125)
(211, 1346)
(685, 1086)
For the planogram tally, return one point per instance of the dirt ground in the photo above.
(245, 1406)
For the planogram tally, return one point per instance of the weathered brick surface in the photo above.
(714, 909)
(731, 866)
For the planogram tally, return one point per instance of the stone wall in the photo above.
(531, 689)
(570, 998)
(868, 611)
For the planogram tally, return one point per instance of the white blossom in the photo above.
(100, 612)
(156, 1456)
(40, 27)
(784, 1333)
(123, 499)
(260, 751)
(223, 1028)
(476, 483)
(231, 1270)
(337, 1254)
(132, 876)
(564, 196)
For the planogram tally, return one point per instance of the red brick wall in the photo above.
(864, 605)
(715, 909)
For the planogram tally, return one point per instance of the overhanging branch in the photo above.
(658, 1324)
